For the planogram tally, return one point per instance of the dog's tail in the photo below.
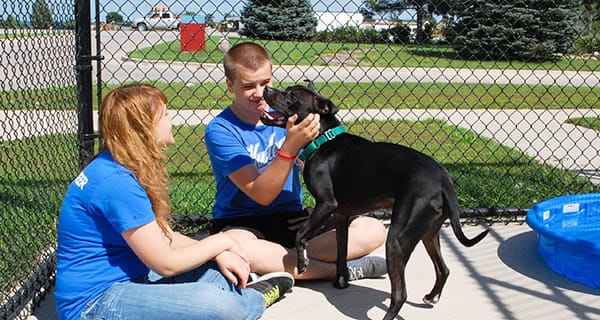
(451, 206)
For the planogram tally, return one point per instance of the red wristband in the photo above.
(285, 156)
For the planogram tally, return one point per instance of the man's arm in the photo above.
(264, 188)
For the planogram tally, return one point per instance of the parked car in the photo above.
(157, 19)
(230, 23)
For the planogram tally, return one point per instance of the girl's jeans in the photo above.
(203, 293)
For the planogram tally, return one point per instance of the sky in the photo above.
(131, 9)
(219, 8)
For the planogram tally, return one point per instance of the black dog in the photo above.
(349, 175)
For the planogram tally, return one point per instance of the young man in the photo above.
(259, 194)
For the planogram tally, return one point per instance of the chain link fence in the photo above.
(38, 158)
(506, 97)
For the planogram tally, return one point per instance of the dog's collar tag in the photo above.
(315, 144)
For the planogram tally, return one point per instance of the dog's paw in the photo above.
(431, 299)
(341, 282)
(301, 269)
(302, 257)
(302, 265)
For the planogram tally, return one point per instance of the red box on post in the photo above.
(192, 32)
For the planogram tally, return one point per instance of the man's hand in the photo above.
(299, 135)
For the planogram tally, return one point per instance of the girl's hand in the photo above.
(236, 248)
(234, 268)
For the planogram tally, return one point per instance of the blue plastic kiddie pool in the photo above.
(568, 233)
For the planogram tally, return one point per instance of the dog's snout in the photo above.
(270, 90)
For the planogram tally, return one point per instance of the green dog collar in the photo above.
(315, 144)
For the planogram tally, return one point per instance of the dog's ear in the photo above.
(325, 106)
(311, 85)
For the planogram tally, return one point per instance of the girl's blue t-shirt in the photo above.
(102, 202)
(233, 144)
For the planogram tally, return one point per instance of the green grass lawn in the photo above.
(375, 95)
(407, 96)
(31, 33)
(379, 55)
(487, 174)
(587, 122)
(34, 176)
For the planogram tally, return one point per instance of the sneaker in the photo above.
(273, 286)
(367, 267)
(253, 277)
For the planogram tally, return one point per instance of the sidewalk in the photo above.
(502, 277)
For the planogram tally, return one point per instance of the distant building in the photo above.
(383, 25)
(333, 20)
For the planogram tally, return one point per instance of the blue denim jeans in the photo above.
(203, 293)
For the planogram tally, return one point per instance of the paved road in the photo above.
(117, 43)
(37, 62)
(22, 59)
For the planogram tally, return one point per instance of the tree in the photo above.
(10, 23)
(41, 16)
(395, 7)
(278, 19)
(114, 17)
(368, 9)
(591, 15)
(513, 29)
(210, 20)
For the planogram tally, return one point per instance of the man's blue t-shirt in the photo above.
(101, 203)
(233, 144)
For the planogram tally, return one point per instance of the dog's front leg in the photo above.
(342, 275)
(316, 219)
(301, 248)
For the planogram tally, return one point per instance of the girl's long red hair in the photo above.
(127, 118)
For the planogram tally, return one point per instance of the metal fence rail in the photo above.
(512, 129)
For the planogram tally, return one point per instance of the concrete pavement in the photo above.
(503, 277)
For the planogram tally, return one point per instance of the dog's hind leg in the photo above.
(431, 241)
(398, 250)
(399, 245)
(410, 223)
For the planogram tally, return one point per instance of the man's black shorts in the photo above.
(280, 228)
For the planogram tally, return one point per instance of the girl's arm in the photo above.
(184, 253)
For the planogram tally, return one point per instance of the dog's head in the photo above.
(300, 100)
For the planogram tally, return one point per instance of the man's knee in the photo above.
(240, 234)
(369, 231)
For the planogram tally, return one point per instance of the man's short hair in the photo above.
(246, 54)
